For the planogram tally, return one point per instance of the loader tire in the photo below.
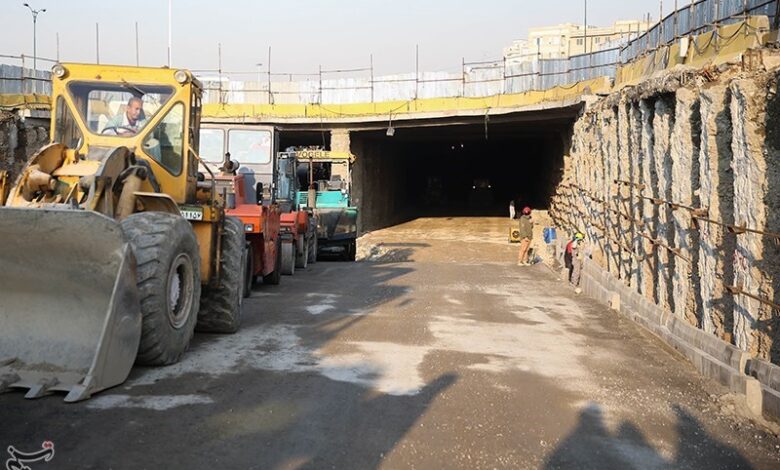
(302, 253)
(220, 306)
(288, 258)
(168, 280)
(274, 277)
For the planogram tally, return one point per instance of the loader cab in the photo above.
(154, 112)
(252, 147)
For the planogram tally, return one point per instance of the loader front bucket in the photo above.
(70, 318)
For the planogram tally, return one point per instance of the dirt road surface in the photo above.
(434, 351)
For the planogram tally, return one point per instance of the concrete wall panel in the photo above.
(755, 166)
(649, 179)
(684, 190)
(716, 194)
(662, 129)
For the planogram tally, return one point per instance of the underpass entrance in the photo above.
(456, 170)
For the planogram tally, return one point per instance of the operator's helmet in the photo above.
(526, 210)
(579, 236)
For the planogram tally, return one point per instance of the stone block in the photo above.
(754, 396)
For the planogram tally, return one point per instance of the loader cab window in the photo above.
(165, 144)
(118, 109)
(66, 131)
(212, 145)
(250, 147)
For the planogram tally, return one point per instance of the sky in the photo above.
(302, 34)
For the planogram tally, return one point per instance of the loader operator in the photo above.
(129, 122)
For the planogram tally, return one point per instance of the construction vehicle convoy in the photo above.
(255, 146)
(311, 188)
(114, 247)
(246, 177)
(118, 240)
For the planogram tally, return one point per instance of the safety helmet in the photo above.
(526, 210)
(579, 236)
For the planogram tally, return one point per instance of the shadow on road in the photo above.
(346, 427)
(270, 404)
(386, 253)
(591, 445)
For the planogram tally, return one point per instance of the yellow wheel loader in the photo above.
(113, 247)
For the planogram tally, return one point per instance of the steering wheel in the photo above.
(120, 130)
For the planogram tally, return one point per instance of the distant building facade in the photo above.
(568, 39)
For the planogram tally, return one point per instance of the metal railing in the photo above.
(22, 79)
(475, 79)
(699, 17)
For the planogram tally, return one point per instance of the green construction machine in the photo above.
(325, 186)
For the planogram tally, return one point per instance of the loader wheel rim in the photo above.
(180, 287)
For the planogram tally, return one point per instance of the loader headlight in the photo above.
(59, 71)
(181, 76)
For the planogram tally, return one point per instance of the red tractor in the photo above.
(246, 173)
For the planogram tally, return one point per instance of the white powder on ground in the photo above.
(150, 402)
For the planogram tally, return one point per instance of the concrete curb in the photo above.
(757, 380)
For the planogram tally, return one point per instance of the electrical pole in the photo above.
(97, 43)
(137, 53)
(35, 14)
(170, 9)
(416, 71)
(270, 93)
(586, 26)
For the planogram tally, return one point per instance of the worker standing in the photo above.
(512, 212)
(526, 233)
(574, 259)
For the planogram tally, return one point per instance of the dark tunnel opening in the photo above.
(456, 170)
(320, 139)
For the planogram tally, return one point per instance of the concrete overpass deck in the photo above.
(412, 110)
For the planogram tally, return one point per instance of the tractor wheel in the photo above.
(220, 306)
(274, 277)
(168, 279)
(302, 253)
(249, 274)
(288, 258)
